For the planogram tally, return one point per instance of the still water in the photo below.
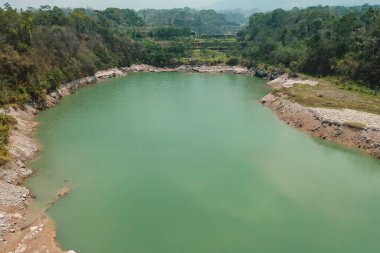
(191, 163)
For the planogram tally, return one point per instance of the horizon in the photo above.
(193, 4)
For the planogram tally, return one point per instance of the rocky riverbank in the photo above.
(344, 126)
(15, 236)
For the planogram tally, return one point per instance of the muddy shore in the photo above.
(39, 235)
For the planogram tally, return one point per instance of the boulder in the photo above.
(261, 73)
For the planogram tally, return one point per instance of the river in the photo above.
(192, 163)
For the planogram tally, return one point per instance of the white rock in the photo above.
(34, 228)
(17, 216)
(71, 251)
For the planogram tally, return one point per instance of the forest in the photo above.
(45, 47)
(199, 21)
(42, 48)
(320, 41)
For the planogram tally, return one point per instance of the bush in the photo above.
(233, 61)
(6, 123)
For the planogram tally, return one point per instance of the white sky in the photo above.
(161, 4)
(102, 4)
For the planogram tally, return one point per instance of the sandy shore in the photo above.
(344, 126)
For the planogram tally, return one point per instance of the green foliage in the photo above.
(205, 57)
(152, 54)
(125, 17)
(42, 48)
(319, 41)
(199, 21)
(170, 32)
(233, 61)
(6, 123)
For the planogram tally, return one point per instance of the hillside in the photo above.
(319, 41)
(199, 21)
(274, 4)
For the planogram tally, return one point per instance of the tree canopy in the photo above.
(45, 47)
(319, 40)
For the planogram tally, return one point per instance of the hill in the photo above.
(274, 4)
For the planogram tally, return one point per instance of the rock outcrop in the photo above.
(284, 81)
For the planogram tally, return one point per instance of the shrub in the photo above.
(233, 61)
(6, 123)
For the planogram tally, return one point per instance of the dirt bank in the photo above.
(345, 126)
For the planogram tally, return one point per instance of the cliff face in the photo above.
(348, 127)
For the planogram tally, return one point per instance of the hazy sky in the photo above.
(139, 4)
(101, 4)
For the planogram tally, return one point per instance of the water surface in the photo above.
(191, 163)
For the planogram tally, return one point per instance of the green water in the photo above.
(191, 163)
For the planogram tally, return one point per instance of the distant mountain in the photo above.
(273, 4)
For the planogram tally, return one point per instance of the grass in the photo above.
(209, 57)
(6, 123)
(329, 94)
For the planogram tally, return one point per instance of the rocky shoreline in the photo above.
(344, 126)
(39, 236)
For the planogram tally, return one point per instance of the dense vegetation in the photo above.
(339, 41)
(6, 122)
(43, 48)
(199, 21)
(40, 49)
